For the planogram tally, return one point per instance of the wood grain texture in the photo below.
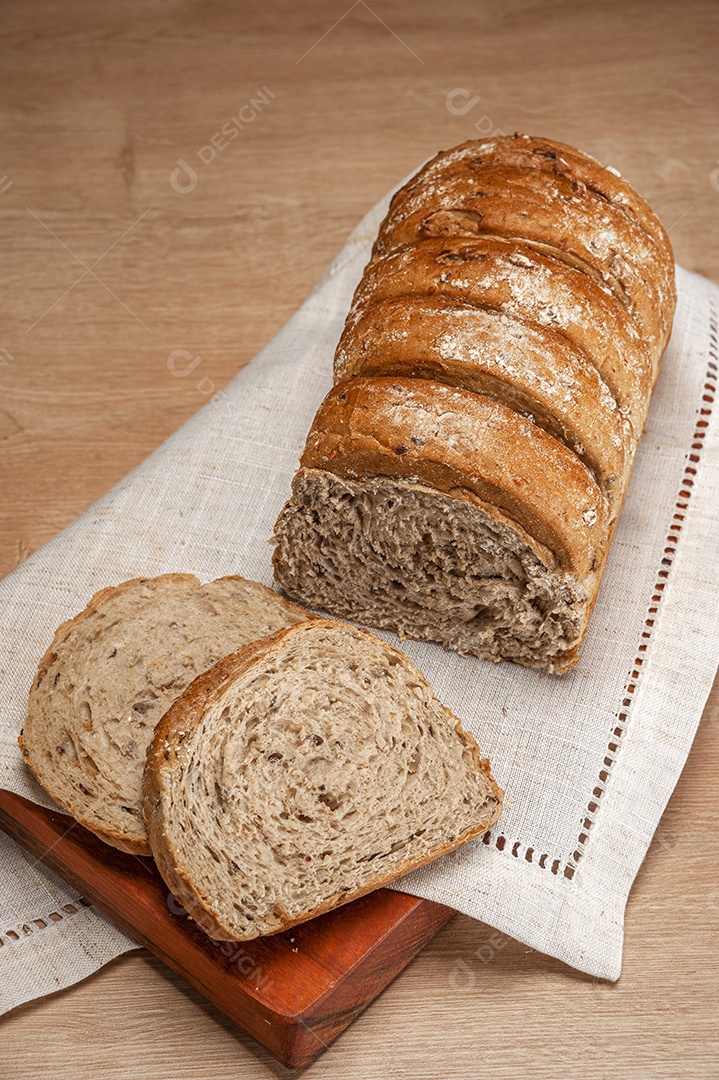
(294, 992)
(98, 104)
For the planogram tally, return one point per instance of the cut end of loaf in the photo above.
(303, 772)
(432, 567)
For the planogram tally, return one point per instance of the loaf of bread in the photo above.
(461, 482)
(110, 674)
(302, 772)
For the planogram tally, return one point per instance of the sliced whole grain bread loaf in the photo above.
(462, 480)
(110, 674)
(302, 772)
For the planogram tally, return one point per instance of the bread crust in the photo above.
(45, 776)
(184, 716)
(535, 373)
(598, 239)
(537, 234)
(457, 441)
(559, 302)
(521, 151)
(568, 202)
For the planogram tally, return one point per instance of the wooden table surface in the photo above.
(114, 256)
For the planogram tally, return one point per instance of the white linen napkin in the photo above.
(588, 760)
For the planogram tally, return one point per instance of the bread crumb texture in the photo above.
(303, 772)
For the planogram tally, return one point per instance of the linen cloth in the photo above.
(588, 760)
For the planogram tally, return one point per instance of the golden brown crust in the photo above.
(508, 276)
(546, 165)
(525, 152)
(456, 441)
(552, 212)
(184, 716)
(532, 371)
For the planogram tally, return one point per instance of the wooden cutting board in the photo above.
(294, 992)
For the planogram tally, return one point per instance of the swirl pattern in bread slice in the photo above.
(110, 674)
(303, 772)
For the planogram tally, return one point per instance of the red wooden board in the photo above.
(294, 992)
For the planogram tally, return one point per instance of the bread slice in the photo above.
(112, 671)
(302, 772)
